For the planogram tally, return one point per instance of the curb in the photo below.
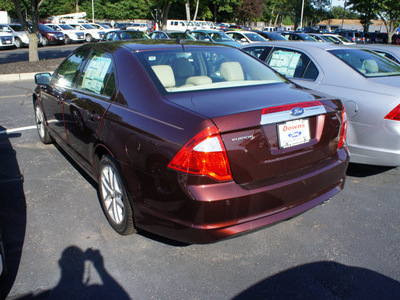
(16, 77)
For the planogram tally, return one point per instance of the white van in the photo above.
(177, 25)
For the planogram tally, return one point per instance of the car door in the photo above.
(296, 65)
(87, 103)
(54, 95)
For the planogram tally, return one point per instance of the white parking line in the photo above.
(13, 96)
(7, 131)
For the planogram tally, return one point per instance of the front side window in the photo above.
(368, 63)
(183, 70)
(67, 72)
(97, 73)
(292, 64)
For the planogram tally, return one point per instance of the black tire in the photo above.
(40, 125)
(114, 198)
(45, 41)
(67, 40)
(18, 43)
(89, 38)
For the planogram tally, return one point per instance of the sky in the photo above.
(337, 2)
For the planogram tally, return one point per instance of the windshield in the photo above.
(17, 27)
(204, 68)
(367, 63)
(255, 37)
(5, 28)
(220, 37)
(180, 35)
(66, 27)
(87, 26)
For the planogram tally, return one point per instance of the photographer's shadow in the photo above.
(73, 285)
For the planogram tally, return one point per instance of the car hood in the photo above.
(222, 102)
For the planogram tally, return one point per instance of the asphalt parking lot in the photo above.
(59, 245)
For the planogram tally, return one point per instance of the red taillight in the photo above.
(343, 131)
(394, 114)
(204, 154)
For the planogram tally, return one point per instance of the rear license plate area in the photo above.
(293, 133)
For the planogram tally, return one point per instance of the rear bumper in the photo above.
(230, 210)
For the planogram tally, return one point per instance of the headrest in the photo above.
(165, 75)
(371, 66)
(232, 71)
(182, 67)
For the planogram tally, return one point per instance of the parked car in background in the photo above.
(51, 36)
(396, 39)
(91, 34)
(102, 27)
(71, 35)
(366, 82)
(6, 37)
(270, 35)
(20, 37)
(119, 35)
(171, 34)
(245, 37)
(214, 36)
(297, 36)
(122, 26)
(192, 143)
(143, 27)
(354, 36)
(339, 39)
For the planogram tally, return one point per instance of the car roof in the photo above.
(303, 45)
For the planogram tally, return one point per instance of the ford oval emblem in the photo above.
(297, 111)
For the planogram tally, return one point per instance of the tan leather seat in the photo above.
(165, 75)
(232, 71)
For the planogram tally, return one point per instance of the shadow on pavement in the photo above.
(324, 280)
(360, 170)
(12, 210)
(75, 281)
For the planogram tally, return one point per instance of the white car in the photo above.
(245, 37)
(91, 33)
(20, 37)
(70, 33)
(6, 37)
(143, 27)
(102, 27)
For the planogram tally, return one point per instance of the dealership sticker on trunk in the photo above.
(293, 133)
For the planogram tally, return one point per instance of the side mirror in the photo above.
(42, 78)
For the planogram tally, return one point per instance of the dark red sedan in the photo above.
(190, 141)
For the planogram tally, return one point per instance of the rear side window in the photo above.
(98, 75)
(292, 64)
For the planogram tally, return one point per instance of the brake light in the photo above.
(394, 114)
(205, 154)
(343, 130)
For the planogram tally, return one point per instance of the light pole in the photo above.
(344, 12)
(301, 15)
(92, 11)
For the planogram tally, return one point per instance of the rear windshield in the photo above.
(367, 63)
(183, 70)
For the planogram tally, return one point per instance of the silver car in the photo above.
(366, 82)
(390, 51)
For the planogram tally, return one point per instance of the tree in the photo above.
(250, 10)
(387, 10)
(31, 9)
